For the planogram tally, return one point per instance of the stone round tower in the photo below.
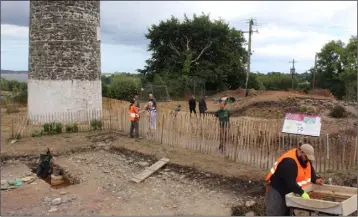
(64, 57)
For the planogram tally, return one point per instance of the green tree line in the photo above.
(214, 53)
(17, 90)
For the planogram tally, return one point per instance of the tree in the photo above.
(197, 47)
(18, 90)
(349, 74)
(330, 67)
(4, 84)
(337, 68)
(124, 86)
(276, 80)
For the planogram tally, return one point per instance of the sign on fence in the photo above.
(302, 124)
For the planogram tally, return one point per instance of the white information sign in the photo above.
(302, 124)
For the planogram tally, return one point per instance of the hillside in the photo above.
(20, 76)
(4, 71)
(275, 104)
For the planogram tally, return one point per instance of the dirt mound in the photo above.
(235, 93)
(261, 95)
(342, 178)
(321, 92)
(278, 108)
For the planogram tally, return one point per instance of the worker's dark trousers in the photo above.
(223, 138)
(135, 128)
(192, 110)
(276, 204)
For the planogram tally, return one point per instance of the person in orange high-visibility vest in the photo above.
(134, 118)
(290, 173)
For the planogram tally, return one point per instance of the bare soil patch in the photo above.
(168, 192)
(100, 163)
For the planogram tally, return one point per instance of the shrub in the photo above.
(58, 128)
(72, 128)
(303, 108)
(304, 86)
(321, 92)
(17, 136)
(52, 128)
(338, 112)
(252, 92)
(96, 124)
(311, 110)
(36, 133)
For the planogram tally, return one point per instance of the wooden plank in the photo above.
(150, 170)
(143, 175)
(134, 179)
(158, 164)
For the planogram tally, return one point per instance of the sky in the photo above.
(286, 30)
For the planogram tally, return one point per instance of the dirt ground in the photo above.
(108, 175)
(104, 163)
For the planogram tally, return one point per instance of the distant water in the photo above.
(17, 77)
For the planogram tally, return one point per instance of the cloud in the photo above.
(286, 29)
(14, 32)
(276, 42)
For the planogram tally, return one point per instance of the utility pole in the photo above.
(314, 71)
(293, 70)
(251, 23)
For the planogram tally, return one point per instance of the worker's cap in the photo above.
(308, 150)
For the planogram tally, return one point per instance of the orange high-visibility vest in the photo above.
(133, 113)
(303, 177)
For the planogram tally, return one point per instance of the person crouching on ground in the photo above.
(176, 110)
(152, 118)
(292, 172)
(44, 165)
(134, 118)
(223, 115)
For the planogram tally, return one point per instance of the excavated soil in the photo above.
(327, 197)
(258, 209)
(101, 175)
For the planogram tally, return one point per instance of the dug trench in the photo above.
(250, 193)
(65, 177)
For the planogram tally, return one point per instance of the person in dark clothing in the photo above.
(290, 175)
(202, 106)
(224, 116)
(44, 165)
(192, 105)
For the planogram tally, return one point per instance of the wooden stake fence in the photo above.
(253, 142)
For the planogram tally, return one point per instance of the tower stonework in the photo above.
(64, 57)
